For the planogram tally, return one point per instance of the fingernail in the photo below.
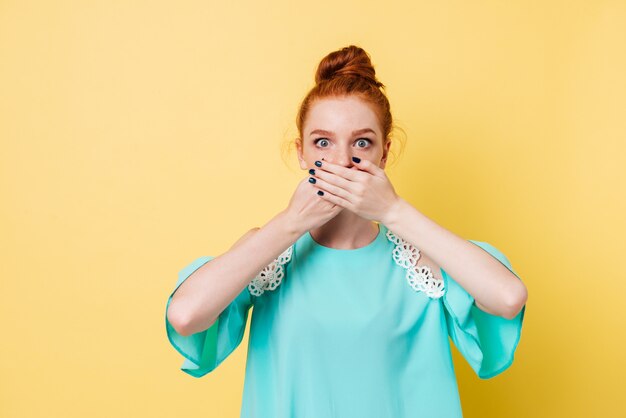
(311, 180)
(321, 193)
(356, 160)
(318, 163)
(311, 171)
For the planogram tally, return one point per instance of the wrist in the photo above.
(394, 212)
(290, 224)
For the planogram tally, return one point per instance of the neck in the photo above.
(345, 231)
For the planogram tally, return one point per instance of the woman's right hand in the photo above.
(307, 210)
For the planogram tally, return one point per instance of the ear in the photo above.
(299, 150)
(383, 160)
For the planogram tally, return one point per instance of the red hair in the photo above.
(345, 72)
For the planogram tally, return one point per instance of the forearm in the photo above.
(481, 275)
(201, 298)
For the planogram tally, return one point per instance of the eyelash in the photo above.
(319, 139)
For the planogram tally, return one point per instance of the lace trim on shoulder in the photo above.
(421, 277)
(272, 275)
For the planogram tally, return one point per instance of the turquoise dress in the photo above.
(352, 333)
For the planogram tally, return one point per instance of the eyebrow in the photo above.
(357, 132)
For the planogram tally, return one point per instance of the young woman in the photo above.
(355, 291)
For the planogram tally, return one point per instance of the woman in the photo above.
(352, 287)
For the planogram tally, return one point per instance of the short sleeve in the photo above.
(486, 341)
(205, 350)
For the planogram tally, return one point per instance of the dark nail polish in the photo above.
(321, 193)
(311, 180)
(311, 171)
(356, 159)
(318, 163)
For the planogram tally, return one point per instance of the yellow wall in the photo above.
(138, 137)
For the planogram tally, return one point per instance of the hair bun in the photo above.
(350, 61)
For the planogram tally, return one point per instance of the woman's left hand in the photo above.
(363, 189)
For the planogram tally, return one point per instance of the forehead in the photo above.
(341, 115)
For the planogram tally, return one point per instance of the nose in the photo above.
(343, 158)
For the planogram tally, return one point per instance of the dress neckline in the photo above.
(348, 251)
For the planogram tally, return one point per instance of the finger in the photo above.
(334, 180)
(367, 166)
(335, 199)
(346, 173)
(330, 188)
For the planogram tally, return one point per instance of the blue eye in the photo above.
(317, 141)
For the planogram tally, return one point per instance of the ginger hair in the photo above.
(345, 72)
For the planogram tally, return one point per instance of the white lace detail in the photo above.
(420, 278)
(271, 275)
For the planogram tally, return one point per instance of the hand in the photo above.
(363, 189)
(307, 210)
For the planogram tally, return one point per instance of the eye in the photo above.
(359, 141)
(318, 140)
(364, 139)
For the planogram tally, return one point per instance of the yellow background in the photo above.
(138, 136)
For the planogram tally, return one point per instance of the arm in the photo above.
(495, 289)
(198, 302)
